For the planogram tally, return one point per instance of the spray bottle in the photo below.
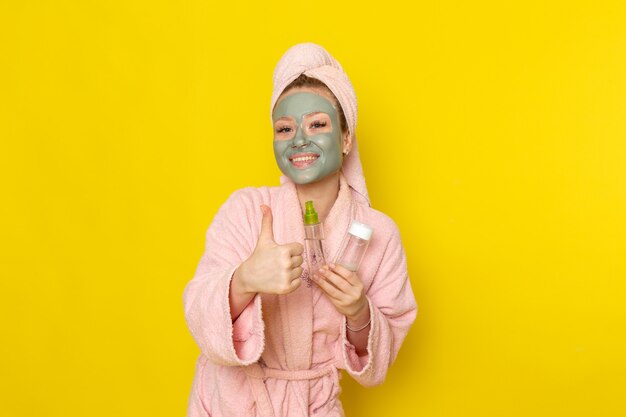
(313, 236)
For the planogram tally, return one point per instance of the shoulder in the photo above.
(382, 224)
(241, 211)
(386, 237)
(249, 197)
(244, 205)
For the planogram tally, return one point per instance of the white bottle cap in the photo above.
(360, 230)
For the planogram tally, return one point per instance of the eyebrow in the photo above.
(315, 113)
(290, 118)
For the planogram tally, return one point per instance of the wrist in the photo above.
(238, 283)
(361, 316)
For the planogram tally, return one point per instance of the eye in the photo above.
(283, 129)
(317, 124)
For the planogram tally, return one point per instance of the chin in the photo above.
(304, 181)
(308, 179)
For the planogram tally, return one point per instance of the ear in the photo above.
(347, 142)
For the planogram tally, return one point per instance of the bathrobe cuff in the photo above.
(358, 365)
(207, 303)
(248, 330)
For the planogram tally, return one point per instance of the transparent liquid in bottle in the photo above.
(313, 236)
(354, 246)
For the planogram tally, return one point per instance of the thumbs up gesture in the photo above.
(272, 268)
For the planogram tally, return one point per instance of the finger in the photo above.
(295, 248)
(294, 284)
(295, 273)
(267, 222)
(296, 260)
(341, 270)
(337, 280)
(328, 288)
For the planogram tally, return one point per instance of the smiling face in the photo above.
(308, 142)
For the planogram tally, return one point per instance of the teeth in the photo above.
(304, 158)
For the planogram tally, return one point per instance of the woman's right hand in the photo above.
(272, 268)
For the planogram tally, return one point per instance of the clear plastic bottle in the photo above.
(313, 236)
(354, 245)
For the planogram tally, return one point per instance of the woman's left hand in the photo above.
(343, 288)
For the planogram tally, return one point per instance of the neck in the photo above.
(323, 193)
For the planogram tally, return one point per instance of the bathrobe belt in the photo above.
(257, 374)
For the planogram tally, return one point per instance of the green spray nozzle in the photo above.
(310, 215)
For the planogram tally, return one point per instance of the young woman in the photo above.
(271, 346)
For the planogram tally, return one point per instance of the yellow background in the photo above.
(493, 133)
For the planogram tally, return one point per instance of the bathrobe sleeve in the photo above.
(229, 241)
(392, 310)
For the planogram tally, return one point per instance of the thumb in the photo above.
(267, 232)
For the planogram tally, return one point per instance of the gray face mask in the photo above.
(307, 137)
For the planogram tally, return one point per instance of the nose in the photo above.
(300, 138)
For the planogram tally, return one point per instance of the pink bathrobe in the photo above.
(282, 355)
